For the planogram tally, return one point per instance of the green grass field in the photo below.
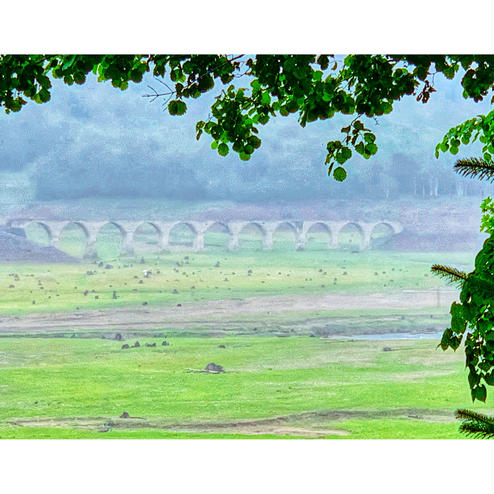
(273, 387)
(186, 277)
(314, 387)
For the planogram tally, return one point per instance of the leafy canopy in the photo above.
(313, 87)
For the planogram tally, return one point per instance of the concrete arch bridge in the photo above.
(301, 231)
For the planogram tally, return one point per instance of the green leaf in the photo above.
(369, 137)
(317, 75)
(255, 85)
(489, 379)
(446, 339)
(387, 107)
(223, 149)
(265, 98)
(42, 97)
(371, 148)
(69, 62)
(255, 142)
(177, 107)
(479, 393)
(343, 155)
(339, 174)
(292, 106)
(214, 145)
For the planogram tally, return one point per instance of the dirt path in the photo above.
(219, 314)
(306, 424)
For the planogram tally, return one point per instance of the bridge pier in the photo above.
(127, 247)
(90, 251)
(233, 243)
(333, 242)
(235, 228)
(54, 231)
(300, 241)
(91, 230)
(367, 229)
(199, 242)
(164, 241)
(267, 240)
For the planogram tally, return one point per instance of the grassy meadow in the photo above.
(273, 387)
(213, 274)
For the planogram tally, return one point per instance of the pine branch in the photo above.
(453, 275)
(475, 167)
(476, 424)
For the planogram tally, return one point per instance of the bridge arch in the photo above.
(182, 234)
(153, 224)
(221, 224)
(380, 232)
(109, 240)
(116, 224)
(73, 238)
(318, 235)
(392, 227)
(43, 226)
(217, 236)
(251, 235)
(345, 237)
(256, 224)
(284, 233)
(147, 236)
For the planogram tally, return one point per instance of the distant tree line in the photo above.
(383, 179)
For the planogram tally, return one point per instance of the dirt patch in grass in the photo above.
(314, 424)
(214, 314)
(279, 426)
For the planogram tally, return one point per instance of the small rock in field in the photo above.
(212, 367)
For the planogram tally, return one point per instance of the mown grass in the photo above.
(266, 377)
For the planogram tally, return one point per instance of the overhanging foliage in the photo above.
(313, 87)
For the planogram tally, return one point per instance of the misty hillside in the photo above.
(97, 141)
